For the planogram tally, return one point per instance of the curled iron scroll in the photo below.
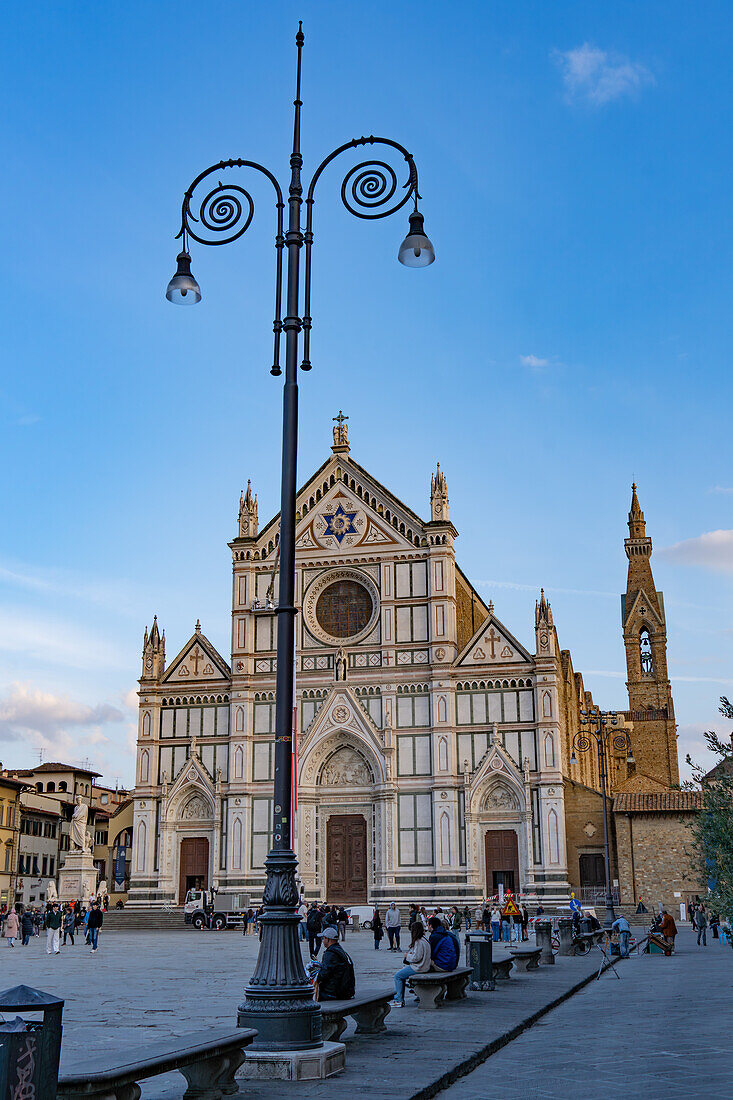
(620, 742)
(582, 743)
(370, 189)
(225, 213)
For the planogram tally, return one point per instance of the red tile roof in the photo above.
(654, 803)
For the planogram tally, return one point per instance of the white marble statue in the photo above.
(86, 894)
(79, 825)
(51, 891)
(102, 889)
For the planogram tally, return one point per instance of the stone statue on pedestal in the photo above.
(51, 892)
(79, 825)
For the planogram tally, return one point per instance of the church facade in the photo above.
(432, 746)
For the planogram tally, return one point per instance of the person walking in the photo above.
(467, 917)
(479, 915)
(455, 919)
(11, 927)
(701, 924)
(315, 924)
(392, 922)
(68, 925)
(53, 929)
(26, 926)
(96, 920)
(417, 961)
(245, 921)
(621, 925)
(377, 929)
(525, 922)
(494, 924)
(714, 925)
(517, 928)
(342, 920)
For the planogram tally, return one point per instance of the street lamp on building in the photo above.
(602, 727)
(279, 998)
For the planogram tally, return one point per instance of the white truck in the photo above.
(215, 909)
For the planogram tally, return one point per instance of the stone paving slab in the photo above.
(663, 1032)
(144, 986)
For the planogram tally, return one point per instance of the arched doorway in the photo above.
(346, 859)
(194, 866)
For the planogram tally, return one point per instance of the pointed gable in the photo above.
(343, 506)
(342, 710)
(493, 645)
(197, 662)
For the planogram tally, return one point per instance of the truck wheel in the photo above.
(219, 923)
(198, 922)
(367, 924)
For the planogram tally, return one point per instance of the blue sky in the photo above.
(573, 335)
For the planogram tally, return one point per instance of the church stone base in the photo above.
(77, 877)
(294, 1065)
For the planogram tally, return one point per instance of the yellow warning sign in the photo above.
(510, 908)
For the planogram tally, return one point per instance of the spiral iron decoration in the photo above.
(370, 186)
(582, 743)
(620, 742)
(226, 211)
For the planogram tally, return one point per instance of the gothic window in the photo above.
(238, 763)
(144, 766)
(553, 833)
(443, 754)
(239, 719)
(547, 705)
(141, 841)
(549, 751)
(645, 649)
(237, 843)
(444, 840)
(146, 724)
(344, 609)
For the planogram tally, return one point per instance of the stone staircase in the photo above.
(145, 920)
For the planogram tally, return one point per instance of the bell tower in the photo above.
(651, 709)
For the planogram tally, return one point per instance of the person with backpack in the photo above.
(68, 925)
(445, 948)
(335, 980)
(26, 926)
(314, 924)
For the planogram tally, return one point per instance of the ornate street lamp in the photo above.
(602, 727)
(279, 999)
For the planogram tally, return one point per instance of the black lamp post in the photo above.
(279, 999)
(601, 725)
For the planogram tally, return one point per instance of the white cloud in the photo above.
(712, 550)
(53, 721)
(720, 489)
(598, 77)
(534, 362)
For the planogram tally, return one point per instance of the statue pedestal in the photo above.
(78, 871)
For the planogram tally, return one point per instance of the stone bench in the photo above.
(437, 986)
(502, 969)
(207, 1059)
(526, 958)
(367, 1010)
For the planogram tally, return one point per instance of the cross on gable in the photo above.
(492, 638)
(340, 419)
(195, 658)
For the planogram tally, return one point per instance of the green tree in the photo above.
(712, 830)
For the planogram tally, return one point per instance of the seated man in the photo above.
(336, 975)
(444, 948)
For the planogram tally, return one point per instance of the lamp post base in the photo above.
(278, 1001)
(610, 916)
(294, 1065)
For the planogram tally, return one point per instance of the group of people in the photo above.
(315, 918)
(23, 923)
(702, 919)
(441, 951)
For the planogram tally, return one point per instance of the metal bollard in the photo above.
(565, 927)
(543, 934)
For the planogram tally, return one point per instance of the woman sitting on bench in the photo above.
(417, 961)
(444, 948)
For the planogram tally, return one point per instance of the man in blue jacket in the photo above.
(444, 948)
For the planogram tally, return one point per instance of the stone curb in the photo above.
(468, 1064)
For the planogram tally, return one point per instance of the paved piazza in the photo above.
(663, 1030)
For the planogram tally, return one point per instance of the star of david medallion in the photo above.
(340, 524)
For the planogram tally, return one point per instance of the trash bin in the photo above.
(29, 1049)
(479, 958)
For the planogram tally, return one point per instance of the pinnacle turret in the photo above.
(248, 513)
(438, 496)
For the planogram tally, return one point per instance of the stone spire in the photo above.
(637, 526)
(544, 630)
(153, 652)
(438, 496)
(247, 514)
(543, 611)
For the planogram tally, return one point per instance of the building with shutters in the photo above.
(433, 745)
